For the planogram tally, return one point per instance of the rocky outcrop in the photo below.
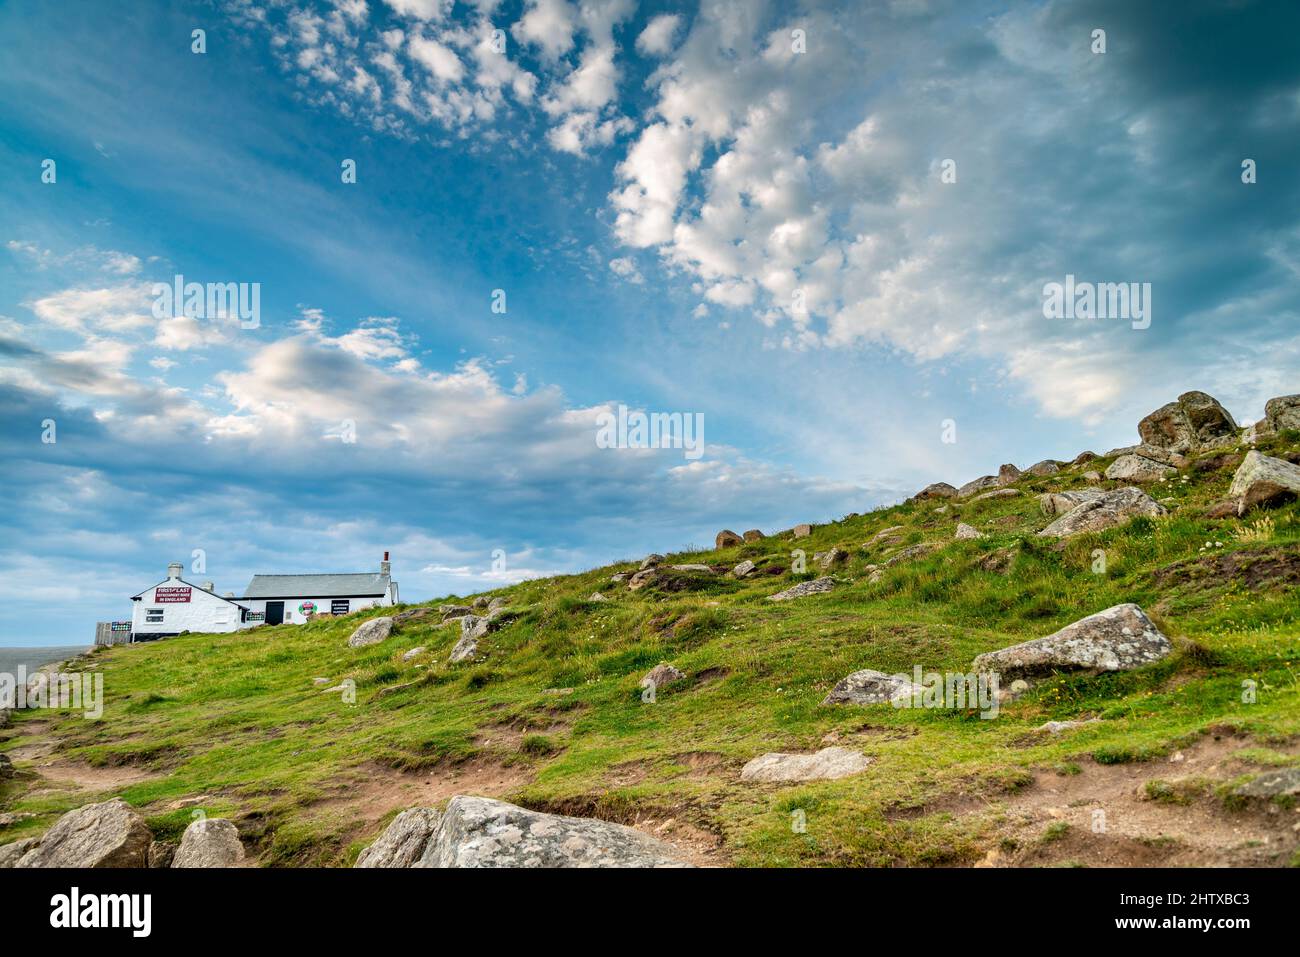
(1058, 503)
(1106, 511)
(650, 561)
(11, 854)
(1043, 468)
(660, 675)
(753, 535)
(1120, 638)
(827, 764)
(814, 587)
(453, 611)
(727, 539)
(919, 550)
(404, 841)
(466, 647)
(886, 536)
(474, 627)
(997, 493)
(1007, 474)
(210, 842)
(1196, 420)
(481, 832)
(1282, 783)
(111, 834)
(1263, 480)
(831, 559)
(1138, 468)
(981, 484)
(371, 632)
(1282, 412)
(870, 687)
(802, 531)
(965, 531)
(6, 767)
(935, 490)
(161, 855)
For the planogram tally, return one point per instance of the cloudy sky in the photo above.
(824, 227)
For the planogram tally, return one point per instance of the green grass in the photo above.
(236, 718)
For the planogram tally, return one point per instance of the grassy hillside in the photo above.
(551, 715)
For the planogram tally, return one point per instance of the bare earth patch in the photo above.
(1104, 816)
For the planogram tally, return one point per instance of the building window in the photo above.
(153, 616)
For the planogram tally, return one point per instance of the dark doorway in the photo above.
(274, 612)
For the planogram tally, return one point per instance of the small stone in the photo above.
(414, 653)
(744, 569)
(965, 531)
(662, 674)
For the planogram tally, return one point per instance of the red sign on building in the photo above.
(171, 594)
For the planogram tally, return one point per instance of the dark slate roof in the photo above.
(352, 584)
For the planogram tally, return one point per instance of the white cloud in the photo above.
(657, 38)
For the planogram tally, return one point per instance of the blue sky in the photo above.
(656, 188)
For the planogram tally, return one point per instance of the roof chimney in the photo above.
(385, 567)
(174, 570)
(209, 586)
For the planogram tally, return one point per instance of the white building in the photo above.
(175, 605)
(273, 599)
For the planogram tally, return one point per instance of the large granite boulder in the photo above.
(111, 834)
(826, 764)
(981, 484)
(1138, 468)
(481, 832)
(1045, 467)
(870, 687)
(1196, 420)
(1106, 511)
(935, 490)
(1283, 412)
(814, 587)
(753, 535)
(404, 841)
(1007, 474)
(210, 842)
(371, 632)
(1058, 503)
(1263, 480)
(727, 539)
(1120, 638)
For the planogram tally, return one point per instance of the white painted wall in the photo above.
(203, 612)
(292, 616)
